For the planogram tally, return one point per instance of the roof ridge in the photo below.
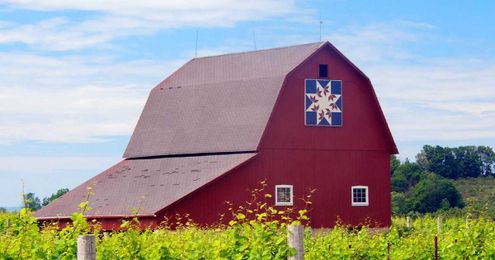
(164, 84)
(262, 50)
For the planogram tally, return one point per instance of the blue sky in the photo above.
(74, 75)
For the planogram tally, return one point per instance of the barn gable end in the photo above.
(363, 124)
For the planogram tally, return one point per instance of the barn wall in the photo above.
(329, 159)
(332, 181)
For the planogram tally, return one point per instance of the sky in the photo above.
(74, 75)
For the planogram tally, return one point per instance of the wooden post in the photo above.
(388, 250)
(408, 221)
(295, 238)
(86, 247)
(467, 222)
(439, 225)
(311, 231)
(436, 248)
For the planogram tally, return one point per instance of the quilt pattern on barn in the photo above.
(323, 102)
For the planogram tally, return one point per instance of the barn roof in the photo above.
(143, 186)
(215, 104)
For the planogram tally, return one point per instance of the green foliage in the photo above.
(478, 194)
(432, 193)
(415, 190)
(394, 163)
(405, 176)
(399, 203)
(32, 202)
(460, 238)
(458, 162)
(456, 241)
(54, 196)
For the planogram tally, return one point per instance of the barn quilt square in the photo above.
(323, 102)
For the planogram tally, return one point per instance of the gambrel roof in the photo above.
(215, 104)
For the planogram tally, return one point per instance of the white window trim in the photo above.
(360, 203)
(291, 195)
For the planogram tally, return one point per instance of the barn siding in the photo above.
(328, 159)
(303, 169)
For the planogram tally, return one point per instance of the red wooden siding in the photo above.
(303, 169)
(330, 159)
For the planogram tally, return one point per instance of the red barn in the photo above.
(298, 117)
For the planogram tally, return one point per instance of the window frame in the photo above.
(367, 202)
(291, 202)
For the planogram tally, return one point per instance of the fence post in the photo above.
(388, 250)
(408, 221)
(436, 248)
(439, 225)
(295, 238)
(86, 247)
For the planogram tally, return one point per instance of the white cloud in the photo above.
(124, 18)
(73, 99)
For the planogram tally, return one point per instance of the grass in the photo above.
(478, 194)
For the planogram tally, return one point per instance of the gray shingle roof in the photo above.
(215, 104)
(146, 185)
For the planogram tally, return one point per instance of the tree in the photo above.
(405, 176)
(32, 202)
(433, 192)
(54, 196)
(394, 163)
(468, 160)
(399, 203)
(440, 160)
(487, 160)
(3, 210)
(458, 162)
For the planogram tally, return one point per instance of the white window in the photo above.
(283, 195)
(359, 196)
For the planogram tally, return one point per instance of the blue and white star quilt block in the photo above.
(323, 102)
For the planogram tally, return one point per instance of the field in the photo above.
(478, 194)
(20, 237)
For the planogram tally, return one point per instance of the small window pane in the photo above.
(283, 194)
(323, 71)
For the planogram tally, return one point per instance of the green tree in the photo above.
(3, 210)
(458, 162)
(487, 160)
(469, 161)
(54, 196)
(394, 163)
(440, 160)
(399, 203)
(433, 192)
(405, 176)
(32, 202)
